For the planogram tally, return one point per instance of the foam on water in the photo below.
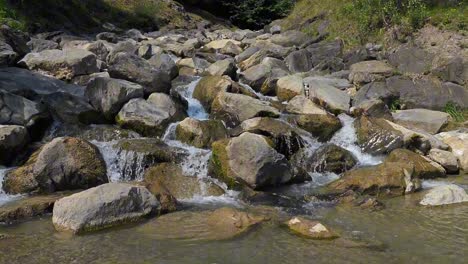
(4, 197)
(346, 138)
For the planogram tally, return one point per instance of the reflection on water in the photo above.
(402, 233)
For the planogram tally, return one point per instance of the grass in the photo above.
(357, 22)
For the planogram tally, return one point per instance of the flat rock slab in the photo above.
(445, 194)
(422, 119)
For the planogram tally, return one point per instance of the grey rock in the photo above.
(422, 119)
(38, 45)
(164, 63)
(444, 195)
(12, 140)
(446, 159)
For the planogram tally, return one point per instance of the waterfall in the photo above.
(4, 197)
(346, 138)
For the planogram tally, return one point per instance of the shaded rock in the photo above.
(451, 69)
(135, 69)
(411, 59)
(200, 133)
(331, 158)
(28, 207)
(8, 56)
(286, 140)
(369, 71)
(108, 36)
(264, 76)
(221, 224)
(236, 108)
(324, 52)
(458, 142)
(13, 139)
(288, 87)
(423, 169)
(374, 91)
(170, 177)
(99, 48)
(249, 160)
(102, 207)
(310, 229)
(444, 195)
(164, 63)
(109, 95)
(17, 110)
(299, 61)
(422, 119)
(62, 64)
(68, 108)
(377, 136)
(223, 67)
(150, 117)
(62, 164)
(31, 84)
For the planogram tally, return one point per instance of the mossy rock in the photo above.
(200, 133)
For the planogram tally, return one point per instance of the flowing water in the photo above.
(402, 233)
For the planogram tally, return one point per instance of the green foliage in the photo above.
(395, 105)
(455, 112)
(373, 15)
(256, 13)
(9, 17)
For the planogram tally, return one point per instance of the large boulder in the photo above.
(312, 118)
(422, 119)
(12, 141)
(445, 158)
(377, 136)
(68, 108)
(220, 224)
(164, 63)
(331, 98)
(208, 88)
(299, 61)
(17, 110)
(408, 59)
(369, 71)
(285, 138)
(458, 142)
(264, 76)
(423, 168)
(102, 207)
(223, 67)
(150, 117)
(236, 108)
(249, 160)
(31, 84)
(444, 195)
(331, 158)
(200, 133)
(62, 64)
(62, 164)
(170, 177)
(388, 178)
(289, 38)
(289, 86)
(109, 95)
(135, 69)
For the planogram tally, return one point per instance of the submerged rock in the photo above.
(62, 164)
(249, 160)
(28, 207)
(103, 207)
(445, 194)
(310, 229)
(221, 224)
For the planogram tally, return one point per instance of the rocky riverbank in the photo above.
(140, 124)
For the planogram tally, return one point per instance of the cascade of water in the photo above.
(4, 197)
(195, 108)
(346, 138)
